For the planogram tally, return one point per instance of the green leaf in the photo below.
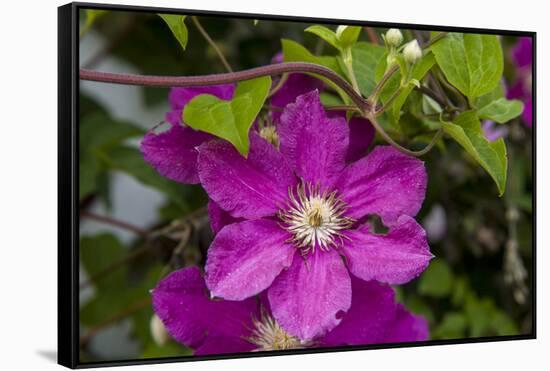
(485, 99)
(452, 326)
(176, 23)
(91, 16)
(294, 52)
(88, 173)
(366, 57)
(347, 35)
(130, 161)
(466, 130)
(99, 252)
(230, 120)
(501, 110)
(326, 34)
(436, 280)
(419, 70)
(98, 133)
(471, 62)
(170, 349)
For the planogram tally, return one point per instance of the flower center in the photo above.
(314, 218)
(268, 335)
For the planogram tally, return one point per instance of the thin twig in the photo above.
(430, 93)
(373, 36)
(378, 88)
(342, 107)
(278, 86)
(212, 43)
(372, 118)
(389, 102)
(430, 42)
(115, 222)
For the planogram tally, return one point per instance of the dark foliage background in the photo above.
(478, 285)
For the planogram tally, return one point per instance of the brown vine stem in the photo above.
(372, 118)
(230, 77)
(112, 221)
(212, 44)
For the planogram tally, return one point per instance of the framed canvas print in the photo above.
(243, 185)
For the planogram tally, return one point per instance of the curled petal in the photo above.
(394, 258)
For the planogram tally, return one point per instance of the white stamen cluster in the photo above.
(268, 335)
(314, 218)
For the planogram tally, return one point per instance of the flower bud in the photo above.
(412, 52)
(158, 331)
(394, 37)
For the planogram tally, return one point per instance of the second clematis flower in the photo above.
(301, 215)
(218, 326)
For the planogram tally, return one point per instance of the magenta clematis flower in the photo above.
(209, 326)
(522, 56)
(301, 210)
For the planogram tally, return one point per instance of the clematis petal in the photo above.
(394, 258)
(223, 345)
(407, 327)
(173, 153)
(374, 318)
(307, 298)
(179, 97)
(386, 182)
(295, 85)
(182, 302)
(252, 187)
(361, 134)
(219, 218)
(245, 258)
(314, 145)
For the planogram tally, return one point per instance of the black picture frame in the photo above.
(68, 182)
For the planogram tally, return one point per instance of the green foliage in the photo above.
(436, 280)
(326, 34)
(347, 35)
(501, 110)
(230, 120)
(99, 134)
(471, 62)
(452, 326)
(366, 58)
(466, 130)
(176, 23)
(344, 37)
(394, 85)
